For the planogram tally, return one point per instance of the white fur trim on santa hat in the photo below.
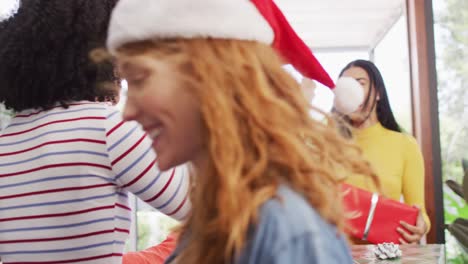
(349, 95)
(137, 20)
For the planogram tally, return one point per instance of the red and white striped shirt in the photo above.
(64, 178)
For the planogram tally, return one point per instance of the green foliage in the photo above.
(452, 170)
(454, 206)
(455, 253)
(153, 228)
(453, 51)
(460, 259)
(144, 232)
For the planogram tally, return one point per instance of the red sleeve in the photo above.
(153, 255)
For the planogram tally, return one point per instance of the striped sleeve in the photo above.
(133, 162)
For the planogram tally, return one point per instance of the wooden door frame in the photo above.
(425, 108)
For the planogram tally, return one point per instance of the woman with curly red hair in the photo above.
(207, 84)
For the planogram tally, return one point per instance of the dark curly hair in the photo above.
(45, 54)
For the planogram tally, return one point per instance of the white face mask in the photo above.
(8, 8)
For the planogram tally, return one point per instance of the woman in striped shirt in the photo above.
(67, 159)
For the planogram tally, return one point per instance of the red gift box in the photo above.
(374, 218)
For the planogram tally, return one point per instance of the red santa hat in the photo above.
(255, 20)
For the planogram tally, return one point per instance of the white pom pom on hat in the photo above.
(255, 20)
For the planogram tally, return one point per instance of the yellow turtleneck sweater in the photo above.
(398, 162)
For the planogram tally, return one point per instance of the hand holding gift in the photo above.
(377, 219)
(412, 234)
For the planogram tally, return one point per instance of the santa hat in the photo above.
(255, 20)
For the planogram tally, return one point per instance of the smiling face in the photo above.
(162, 103)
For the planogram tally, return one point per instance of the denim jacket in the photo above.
(291, 231)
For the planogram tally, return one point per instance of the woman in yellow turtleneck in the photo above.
(395, 156)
